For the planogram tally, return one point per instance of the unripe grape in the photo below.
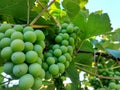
(9, 32)
(17, 45)
(20, 69)
(28, 28)
(54, 69)
(8, 67)
(30, 36)
(5, 42)
(31, 57)
(26, 82)
(16, 35)
(18, 28)
(4, 27)
(40, 35)
(18, 57)
(6, 53)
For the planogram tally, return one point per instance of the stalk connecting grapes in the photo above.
(21, 51)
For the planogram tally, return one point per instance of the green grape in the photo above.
(57, 52)
(71, 41)
(26, 82)
(65, 36)
(118, 87)
(18, 28)
(45, 66)
(8, 67)
(18, 57)
(4, 27)
(64, 25)
(63, 49)
(28, 46)
(31, 57)
(30, 36)
(40, 35)
(9, 32)
(70, 28)
(41, 56)
(63, 31)
(68, 57)
(28, 28)
(17, 45)
(1, 35)
(112, 85)
(67, 63)
(62, 59)
(42, 75)
(36, 70)
(61, 67)
(5, 42)
(54, 69)
(20, 69)
(16, 35)
(6, 53)
(73, 35)
(58, 38)
(37, 84)
(70, 49)
(38, 49)
(65, 42)
(56, 46)
(50, 60)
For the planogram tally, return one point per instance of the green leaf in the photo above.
(73, 75)
(84, 58)
(115, 53)
(87, 46)
(98, 24)
(72, 7)
(15, 8)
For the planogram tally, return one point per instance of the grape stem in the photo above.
(28, 12)
(106, 55)
(99, 76)
(55, 21)
(39, 15)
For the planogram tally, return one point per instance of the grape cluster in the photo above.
(59, 56)
(21, 51)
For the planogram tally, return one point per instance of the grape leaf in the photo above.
(115, 53)
(98, 24)
(72, 7)
(15, 8)
(73, 75)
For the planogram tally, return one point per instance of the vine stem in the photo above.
(38, 16)
(28, 12)
(54, 20)
(99, 76)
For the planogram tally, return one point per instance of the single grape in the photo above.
(20, 69)
(26, 82)
(38, 49)
(16, 35)
(31, 57)
(18, 28)
(61, 67)
(8, 67)
(18, 57)
(64, 25)
(6, 53)
(9, 32)
(28, 28)
(40, 35)
(5, 42)
(62, 59)
(54, 69)
(58, 38)
(57, 52)
(63, 49)
(1, 35)
(50, 60)
(17, 45)
(28, 46)
(30, 36)
(65, 42)
(4, 27)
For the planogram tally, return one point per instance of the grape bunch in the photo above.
(21, 51)
(59, 55)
